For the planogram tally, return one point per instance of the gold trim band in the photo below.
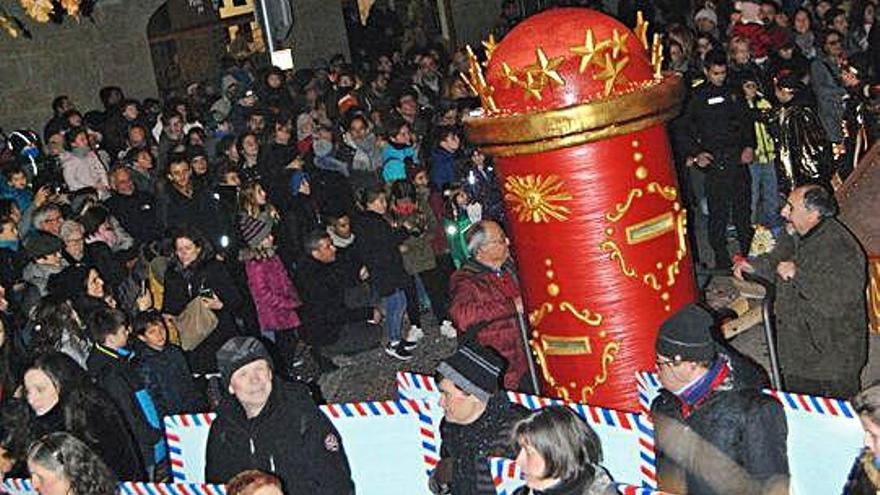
(643, 107)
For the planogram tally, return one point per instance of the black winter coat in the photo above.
(718, 121)
(300, 218)
(107, 433)
(471, 444)
(136, 213)
(182, 285)
(377, 246)
(167, 378)
(290, 438)
(745, 427)
(321, 287)
(116, 376)
(199, 210)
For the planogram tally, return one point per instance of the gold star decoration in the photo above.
(490, 46)
(547, 66)
(533, 87)
(589, 50)
(477, 82)
(657, 56)
(641, 29)
(611, 72)
(534, 78)
(618, 44)
(509, 74)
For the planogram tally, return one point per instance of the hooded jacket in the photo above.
(116, 375)
(290, 438)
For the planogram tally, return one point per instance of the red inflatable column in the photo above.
(574, 107)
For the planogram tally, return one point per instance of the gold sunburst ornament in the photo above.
(537, 199)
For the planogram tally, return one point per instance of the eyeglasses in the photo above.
(660, 364)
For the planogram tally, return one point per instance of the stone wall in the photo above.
(319, 31)
(76, 59)
(473, 19)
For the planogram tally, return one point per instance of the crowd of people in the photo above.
(172, 257)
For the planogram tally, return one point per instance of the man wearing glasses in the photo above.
(486, 300)
(716, 432)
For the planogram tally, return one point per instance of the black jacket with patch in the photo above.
(290, 438)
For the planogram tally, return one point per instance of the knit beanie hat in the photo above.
(238, 352)
(253, 230)
(686, 336)
(789, 81)
(707, 14)
(93, 218)
(40, 244)
(474, 369)
(195, 151)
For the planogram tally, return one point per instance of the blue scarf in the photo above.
(13, 245)
(698, 391)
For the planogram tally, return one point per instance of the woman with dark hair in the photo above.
(58, 328)
(62, 398)
(195, 277)
(83, 286)
(861, 23)
(864, 479)
(250, 154)
(560, 454)
(60, 464)
(378, 247)
(804, 37)
(274, 93)
(367, 154)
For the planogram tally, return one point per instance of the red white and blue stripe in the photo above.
(428, 432)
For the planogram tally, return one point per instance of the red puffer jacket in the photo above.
(483, 300)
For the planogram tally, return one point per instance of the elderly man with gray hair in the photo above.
(487, 304)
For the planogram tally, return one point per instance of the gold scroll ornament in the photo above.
(664, 274)
(545, 345)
